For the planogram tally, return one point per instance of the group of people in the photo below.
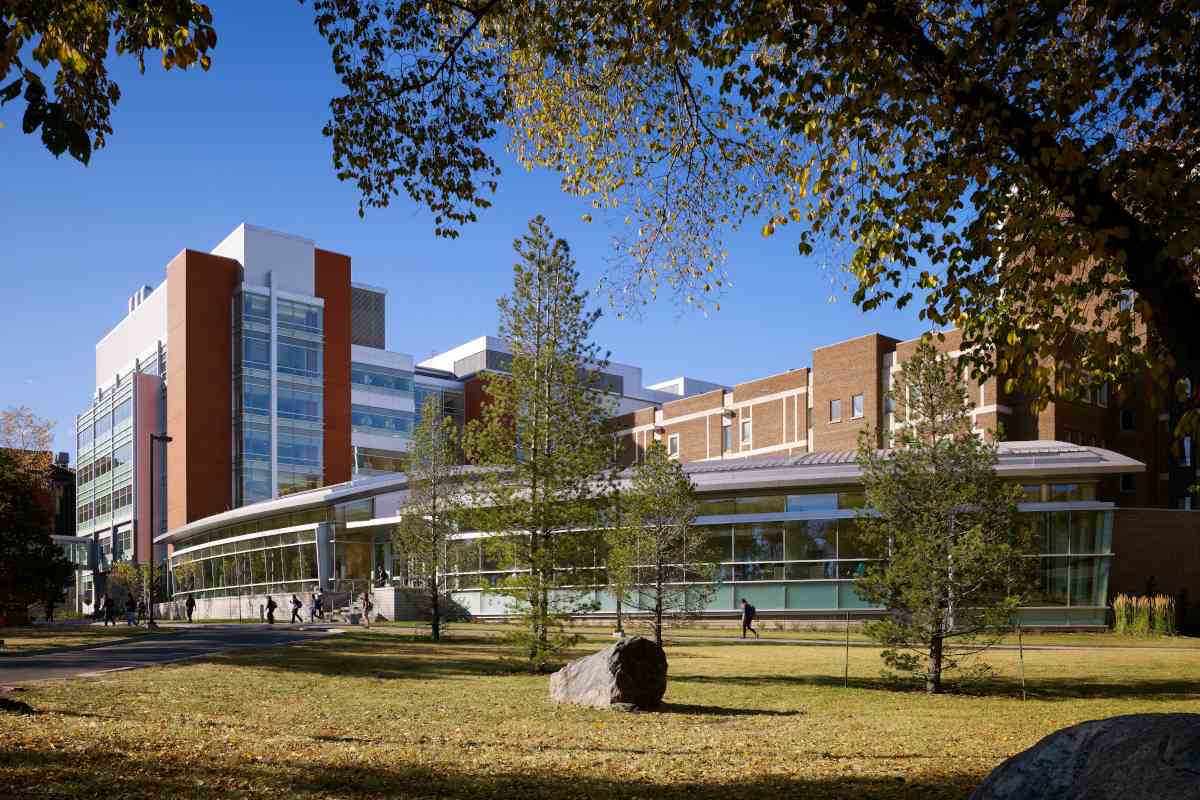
(316, 609)
(107, 610)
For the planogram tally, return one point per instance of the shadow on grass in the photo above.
(93, 772)
(723, 711)
(1040, 688)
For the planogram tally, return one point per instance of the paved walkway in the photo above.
(146, 651)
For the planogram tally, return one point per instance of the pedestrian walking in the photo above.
(368, 606)
(318, 605)
(141, 610)
(271, 606)
(110, 611)
(296, 606)
(190, 605)
(130, 611)
(312, 607)
(748, 614)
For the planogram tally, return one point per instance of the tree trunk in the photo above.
(435, 610)
(933, 670)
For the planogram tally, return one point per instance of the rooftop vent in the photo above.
(138, 297)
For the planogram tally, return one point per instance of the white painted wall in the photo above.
(139, 332)
(381, 358)
(270, 258)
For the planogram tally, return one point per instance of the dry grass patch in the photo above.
(371, 715)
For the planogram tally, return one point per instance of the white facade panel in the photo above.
(380, 441)
(381, 358)
(360, 396)
(139, 332)
(270, 258)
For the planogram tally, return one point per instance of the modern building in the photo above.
(781, 527)
(268, 368)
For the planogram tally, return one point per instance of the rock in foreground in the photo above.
(632, 672)
(1134, 757)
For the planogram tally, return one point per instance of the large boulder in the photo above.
(629, 674)
(1131, 757)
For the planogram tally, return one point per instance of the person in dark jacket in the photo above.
(748, 613)
(296, 606)
(130, 611)
(141, 611)
(190, 605)
(271, 606)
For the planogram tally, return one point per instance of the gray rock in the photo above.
(1131, 757)
(632, 672)
(14, 706)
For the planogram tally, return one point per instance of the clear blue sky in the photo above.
(195, 154)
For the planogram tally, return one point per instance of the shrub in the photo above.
(1144, 616)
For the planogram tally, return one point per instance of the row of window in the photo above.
(104, 505)
(370, 419)
(294, 562)
(857, 408)
(382, 379)
(105, 463)
(103, 425)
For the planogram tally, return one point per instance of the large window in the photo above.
(299, 357)
(85, 437)
(103, 426)
(123, 456)
(382, 379)
(123, 415)
(390, 422)
(835, 410)
(297, 402)
(857, 405)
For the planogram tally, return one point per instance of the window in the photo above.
(673, 445)
(1126, 302)
(123, 415)
(85, 438)
(1102, 395)
(369, 419)
(382, 379)
(1127, 421)
(1127, 483)
(123, 456)
(746, 433)
(835, 410)
(857, 406)
(727, 438)
(103, 426)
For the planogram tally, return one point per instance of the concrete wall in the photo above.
(139, 331)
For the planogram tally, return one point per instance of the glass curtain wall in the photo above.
(280, 563)
(252, 398)
(300, 396)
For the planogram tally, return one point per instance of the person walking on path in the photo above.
(190, 605)
(130, 611)
(296, 606)
(141, 611)
(368, 606)
(318, 602)
(748, 613)
(110, 611)
(271, 606)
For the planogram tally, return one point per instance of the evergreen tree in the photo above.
(655, 555)
(434, 501)
(947, 524)
(32, 568)
(543, 427)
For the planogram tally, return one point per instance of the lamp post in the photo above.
(154, 437)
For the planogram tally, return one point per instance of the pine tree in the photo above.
(429, 516)
(655, 555)
(543, 427)
(947, 524)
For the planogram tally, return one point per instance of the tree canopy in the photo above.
(1015, 169)
(56, 53)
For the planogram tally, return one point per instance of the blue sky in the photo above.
(195, 154)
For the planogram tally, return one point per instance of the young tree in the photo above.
(134, 579)
(434, 501)
(543, 427)
(71, 41)
(947, 524)
(926, 145)
(655, 551)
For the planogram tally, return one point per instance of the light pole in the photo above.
(154, 437)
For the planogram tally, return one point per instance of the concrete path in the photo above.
(150, 650)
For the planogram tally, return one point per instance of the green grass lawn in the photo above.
(770, 629)
(28, 639)
(373, 715)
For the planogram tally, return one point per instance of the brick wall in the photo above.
(1157, 550)
(841, 371)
